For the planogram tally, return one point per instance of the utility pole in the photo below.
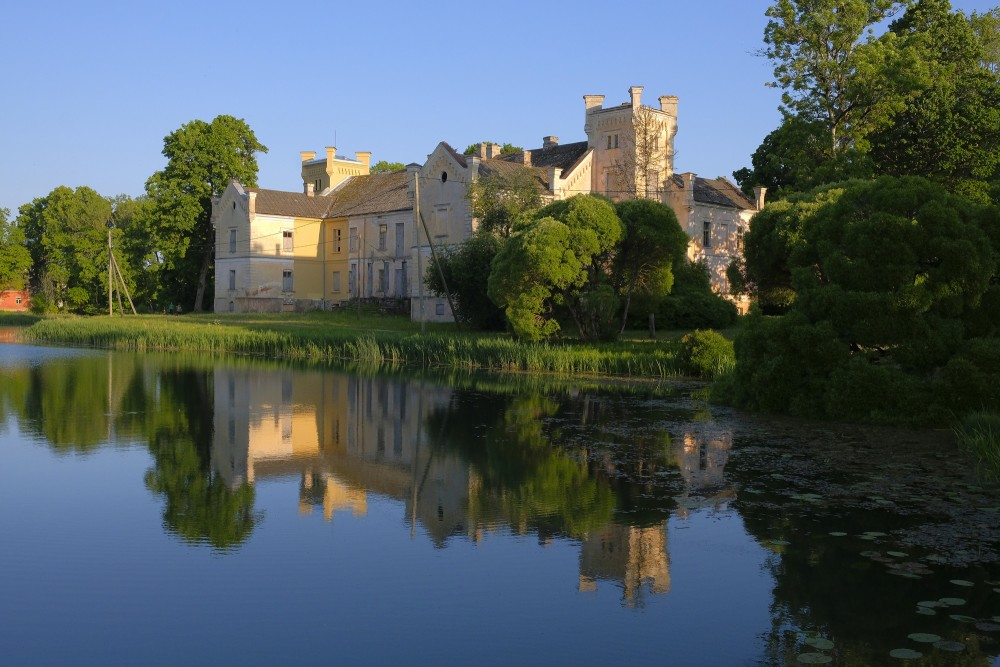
(115, 278)
(111, 275)
(420, 253)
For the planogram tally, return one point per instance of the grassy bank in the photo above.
(379, 341)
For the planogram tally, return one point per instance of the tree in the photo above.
(829, 74)
(646, 156)
(67, 236)
(653, 243)
(505, 149)
(202, 159)
(502, 200)
(559, 260)
(383, 167)
(466, 269)
(950, 132)
(15, 260)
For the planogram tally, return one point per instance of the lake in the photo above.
(184, 509)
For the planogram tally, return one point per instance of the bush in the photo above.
(692, 304)
(707, 354)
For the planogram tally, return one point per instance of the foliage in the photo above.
(558, 260)
(950, 132)
(652, 245)
(979, 433)
(384, 167)
(15, 260)
(890, 279)
(707, 353)
(829, 74)
(505, 149)
(692, 303)
(202, 159)
(465, 270)
(763, 272)
(501, 201)
(67, 236)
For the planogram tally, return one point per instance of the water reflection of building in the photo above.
(701, 457)
(345, 437)
(636, 557)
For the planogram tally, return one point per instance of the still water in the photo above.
(181, 509)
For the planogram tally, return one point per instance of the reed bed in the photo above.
(378, 348)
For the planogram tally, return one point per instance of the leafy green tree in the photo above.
(384, 167)
(950, 132)
(652, 245)
(559, 260)
(505, 149)
(691, 303)
(466, 270)
(15, 260)
(502, 200)
(67, 236)
(202, 159)
(893, 282)
(833, 70)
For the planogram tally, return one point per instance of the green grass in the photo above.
(979, 433)
(371, 340)
(18, 319)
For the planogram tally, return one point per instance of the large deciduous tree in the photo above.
(202, 159)
(67, 236)
(559, 261)
(15, 260)
(385, 167)
(502, 200)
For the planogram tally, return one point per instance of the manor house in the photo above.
(352, 234)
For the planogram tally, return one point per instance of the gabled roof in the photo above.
(562, 156)
(459, 158)
(370, 195)
(716, 191)
(291, 204)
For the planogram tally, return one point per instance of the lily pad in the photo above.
(896, 554)
(905, 654)
(814, 659)
(962, 618)
(952, 602)
(838, 533)
(962, 582)
(926, 611)
(874, 533)
(931, 603)
(822, 643)
(946, 645)
(986, 626)
(924, 637)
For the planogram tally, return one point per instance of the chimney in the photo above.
(758, 195)
(365, 158)
(526, 157)
(493, 151)
(553, 178)
(308, 155)
(593, 102)
(252, 204)
(482, 150)
(310, 189)
(331, 153)
(689, 179)
(635, 92)
(549, 142)
(668, 104)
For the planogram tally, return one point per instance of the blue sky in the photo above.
(89, 90)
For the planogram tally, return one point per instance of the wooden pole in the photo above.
(111, 276)
(420, 250)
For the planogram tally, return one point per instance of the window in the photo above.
(439, 309)
(336, 281)
(286, 241)
(286, 281)
(232, 307)
(739, 239)
(706, 234)
(400, 234)
(381, 280)
(353, 239)
(232, 240)
(609, 141)
(616, 141)
(352, 279)
(318, 185)
(383, 232)
(336, 240)
(232, 279)
(444, 176)
(17, 300)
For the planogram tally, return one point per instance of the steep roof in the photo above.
(489, 167)
(292, 204)
(716, 191)
(562, 156)
(371, 195)
(459, 158)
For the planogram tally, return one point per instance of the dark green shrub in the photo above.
(692, 304)
(706, 354)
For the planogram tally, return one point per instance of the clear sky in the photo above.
(89, 90)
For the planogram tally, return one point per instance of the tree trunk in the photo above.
(202, 280)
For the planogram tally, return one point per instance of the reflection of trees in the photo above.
(532, 473)
(200, 507)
